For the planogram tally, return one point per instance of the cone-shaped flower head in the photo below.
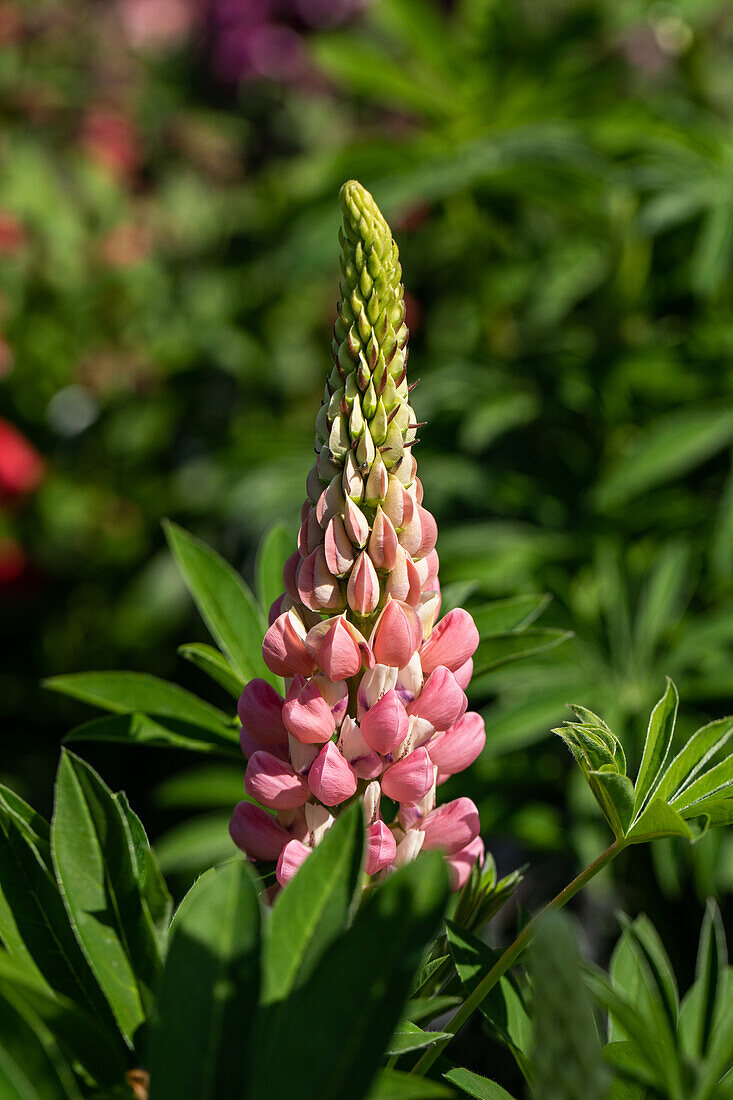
(374, 697)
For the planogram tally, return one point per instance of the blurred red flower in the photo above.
(21, 466)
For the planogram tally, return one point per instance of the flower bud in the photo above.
(338, 549)
(317, 588)
(428, 531)
(339, 648)
(441, 701)
(385, 725)
(464, 673)
(331, 778)
(306, 714)
(380, 847)
(459, 746)
(352, 483)
(276, 607)
(313, 484)
(376, 486)
(452, 642)
(383, 543)
(403, 582)
(410, 778)
(450, 827)
(460, 864)
(284, 650)
(256, 832)
(362, 592)
(330, 502)
(273, 782)
(355, 524)
(366, 763)
(397, 634)
(399, 506)
(310, 535)
(292, 857)
(260, 712)
(290, 573)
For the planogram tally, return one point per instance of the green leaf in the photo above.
(127, 692)
(214, 664)
(615, 796)
(408, 1036)
(426, 971)
(151, 884)
(427, 1008)
(38, 829)
(656, 747)
(698, 1016)
(676, 443)
(95, 862)
(472, 1084)
(493, 652)
(140, 729)
(202, 787)
(100, 1052)
(501, 616)
(200, 1044)
(357, 991)
(224, 601)
(315, 907)
(393, 1085)
(274, 550)
(34, 925)
(31, 1064)
(702, 747)
(654, 965)
(659, 820)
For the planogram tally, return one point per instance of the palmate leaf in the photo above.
(683, 798)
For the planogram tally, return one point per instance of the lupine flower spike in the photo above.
(374, 705)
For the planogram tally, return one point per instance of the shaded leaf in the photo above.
(214, 664)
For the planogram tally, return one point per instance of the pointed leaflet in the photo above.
(272, 554)
(224, 601)
(141, 729)
(200, 1044)
(34, 925)
(354, 997)
(702, 747)
(493, 652)
(151, 884)
(95, 862)
(513, 614)
(393, 1085)
(654, 967)
(471, 1084)
(214, 664)
(100, 1052)
(656, 748)
(408, 1036)
(315, 907)
(700, 1008)
(659, 820)
(127, 692)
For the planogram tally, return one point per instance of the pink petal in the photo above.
(453, 641)
(273, 782)
(450, 827)
(256, 832)
(250, 745)
(355, 524)
(398, 505)
(385, 725)
(410, 778)
(290, 570)
(331, 778)
(461, 863)
(459, 746)
(464, 673)
(260, 712)
(317, 588)
(306, 714)
(429, 533)
(283, 648)
(397, 634)
(338, 549)
(362, 592)
(403, 582)
(292, 857)
(441, 701)
(366, 763)
(380, 847)
(339, 648)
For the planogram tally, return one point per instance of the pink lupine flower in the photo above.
(273, 782)
(260, 711)
(292, 857)
(410, 778)
(381, 847)
(456, 748)
(331, 778)
(461, 863)
(375, 692)
(256, 832)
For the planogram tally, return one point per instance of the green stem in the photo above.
(510, 956)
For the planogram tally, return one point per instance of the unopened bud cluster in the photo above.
(375, 704)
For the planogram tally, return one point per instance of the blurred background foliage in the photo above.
(559, 175)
